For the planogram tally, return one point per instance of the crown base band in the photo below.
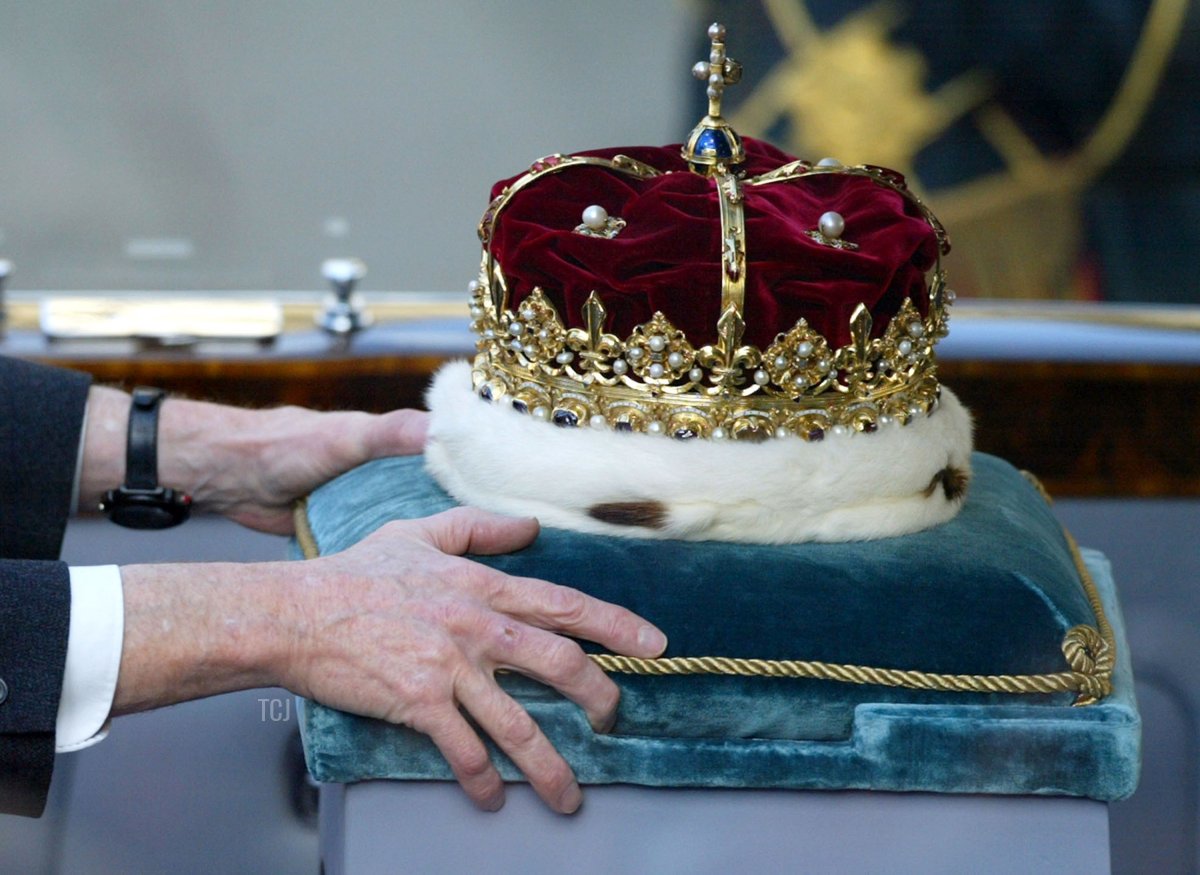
(569, 404)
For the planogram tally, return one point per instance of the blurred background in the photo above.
(182, 146)
(231, 145)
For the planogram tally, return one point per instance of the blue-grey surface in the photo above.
(1153, 548)
(1038, 339)
(379, 828)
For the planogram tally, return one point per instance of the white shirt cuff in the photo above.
(96, 634)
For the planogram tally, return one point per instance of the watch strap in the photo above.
(141, 449)
(140, 502)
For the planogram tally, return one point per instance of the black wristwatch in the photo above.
(141, 503)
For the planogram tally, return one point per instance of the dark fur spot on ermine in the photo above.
(952, 480)
(647, 514)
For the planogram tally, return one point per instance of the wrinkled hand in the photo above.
(401, 628)
(250, 465)
(247, 464)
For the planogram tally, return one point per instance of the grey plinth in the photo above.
(430, 827)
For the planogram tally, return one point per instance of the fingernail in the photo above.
(494, 803)
(571, 799)
(651, 639)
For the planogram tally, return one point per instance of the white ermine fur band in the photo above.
(848, 487)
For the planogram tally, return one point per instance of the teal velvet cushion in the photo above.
(991, 593)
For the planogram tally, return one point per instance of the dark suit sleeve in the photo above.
(35, 607)
(41, 415)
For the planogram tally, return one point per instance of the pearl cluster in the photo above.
(596, 222)
(831, 225)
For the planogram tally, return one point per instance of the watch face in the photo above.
(146, 509)
(141, 516)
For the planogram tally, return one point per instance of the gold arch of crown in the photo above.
(656, 381)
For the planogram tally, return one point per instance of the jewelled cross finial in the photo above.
(718, 69)
(713, 143)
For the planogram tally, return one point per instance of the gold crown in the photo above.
(655, 380)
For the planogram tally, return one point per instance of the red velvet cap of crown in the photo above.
(667, 258)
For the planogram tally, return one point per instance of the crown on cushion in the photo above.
(720, 290)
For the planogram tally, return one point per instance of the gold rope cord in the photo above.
(304, 533)
(1090, 652)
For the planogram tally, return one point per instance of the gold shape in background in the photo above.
(1016, 232)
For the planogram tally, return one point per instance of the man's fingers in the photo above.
(468, 758)
(561, 663)
(468, 530)
(536, 602)
(518, 735)
(562, 609)
(399, 433)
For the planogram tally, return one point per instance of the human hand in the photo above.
(249, 465)
(256, 463)
(400, 627)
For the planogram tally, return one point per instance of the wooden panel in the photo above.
(375, 383)
(1088, 429)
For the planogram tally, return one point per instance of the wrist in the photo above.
(196, 630)
(203, 449)
(207, 450)
(104, 443)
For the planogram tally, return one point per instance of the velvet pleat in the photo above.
(668, 256)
